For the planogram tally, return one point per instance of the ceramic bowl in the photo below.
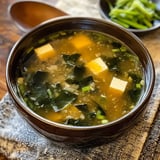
(73, 134)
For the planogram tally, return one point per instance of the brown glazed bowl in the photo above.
(76, 134)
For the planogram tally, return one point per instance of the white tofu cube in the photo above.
(45, 52)
(97, 66)
(118, 85)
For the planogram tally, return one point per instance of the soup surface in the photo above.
(80, 78)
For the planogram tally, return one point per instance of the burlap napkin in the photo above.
(19, 141)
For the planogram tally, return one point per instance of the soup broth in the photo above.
(80, 78)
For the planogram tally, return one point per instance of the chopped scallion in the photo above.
(86, 88)
(104, 121)
(138, 85)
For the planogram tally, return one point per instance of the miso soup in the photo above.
(80, 78)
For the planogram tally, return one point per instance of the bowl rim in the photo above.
(20, 102)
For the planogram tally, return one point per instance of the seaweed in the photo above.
(113, 64)
(76, 122)
(61, 101)
(135, 92)
(42, 94)
(71, 60)
(82, 107)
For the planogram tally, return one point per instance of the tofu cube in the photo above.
(79, 41)
(118, 85)
(44, 52)
(97, 66)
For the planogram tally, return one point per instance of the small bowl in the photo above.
(104, 11)
(75, 134)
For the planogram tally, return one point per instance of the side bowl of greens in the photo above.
(30, 89)
(137, 16)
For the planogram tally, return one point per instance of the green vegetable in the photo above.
(76, 122)
(113, 64)
(104, 121)
(39, 77)
(86, 88)
(77, 77)
(65, 98)
(82, 107)
(71, 59)
(79, 71)
(38, 93)
(85, 81)
(138, 14)
(90, 116)
(135, 92)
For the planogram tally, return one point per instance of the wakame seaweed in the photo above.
(135, 77)
(76, 74)
(39, 77)
(135, 92)
(116, 44)
(77, 122)
(90, 116)
(43, 94)
(71, 59)
(113, 64)
(82, 107)
(85, 81)
(63, 99)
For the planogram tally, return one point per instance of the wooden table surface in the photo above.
(9, 34)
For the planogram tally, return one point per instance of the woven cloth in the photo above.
(19, 141)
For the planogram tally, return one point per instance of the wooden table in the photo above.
(9, 34)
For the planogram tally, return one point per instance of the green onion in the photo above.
(104, 121)
(138, 85)
(138, 14)
(99, 115)
(86, 88)
(29, 49)
(49, 93)
(41, 41)
(115, 50)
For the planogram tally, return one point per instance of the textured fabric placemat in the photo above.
(19, 141)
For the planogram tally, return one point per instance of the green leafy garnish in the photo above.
(135, 92)
(41, 94)
(76, 122)
(113, 64)
(82, 107)
(86, 88)
(65, 98)
(76, 75)
(138, 14)
(71, 59)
